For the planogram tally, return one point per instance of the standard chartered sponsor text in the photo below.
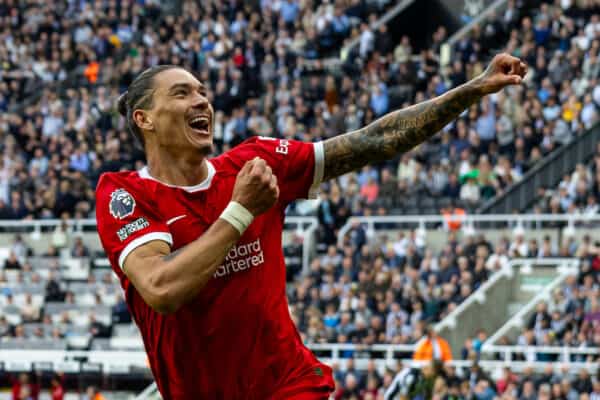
(241, 258)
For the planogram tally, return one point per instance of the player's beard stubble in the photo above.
(207, 150)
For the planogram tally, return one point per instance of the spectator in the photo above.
(60, 237)
(470, 192)
(20, 248)
(24, 389)
(98, 329)
(57, 391)
(30, 312)
(79, 249)
(12, 262)
(93, 393)
(432, 347)
(53, 291)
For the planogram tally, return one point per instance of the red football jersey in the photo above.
(236, 340)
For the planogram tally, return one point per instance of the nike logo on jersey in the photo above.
(169, 222)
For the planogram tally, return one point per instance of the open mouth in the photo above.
(199, 124)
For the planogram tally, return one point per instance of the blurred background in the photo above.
(470, 264)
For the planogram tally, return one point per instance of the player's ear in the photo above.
(143, 120)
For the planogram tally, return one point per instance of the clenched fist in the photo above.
(256, 187)
(502, 71)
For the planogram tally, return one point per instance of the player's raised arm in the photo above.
(401, 130)
(166, 280)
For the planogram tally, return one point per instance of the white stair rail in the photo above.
(565, 269)
(151, 390)
(480, 294)
(446, 48)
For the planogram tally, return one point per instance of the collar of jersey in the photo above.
(205, 184)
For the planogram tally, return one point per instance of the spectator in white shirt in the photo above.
(367, 39)
(470, 192)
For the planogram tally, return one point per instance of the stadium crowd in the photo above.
(62, 65)
(570, 318)
(60, 136)
(445, 382)
(577, 193)
(370, 290)
(387, 289)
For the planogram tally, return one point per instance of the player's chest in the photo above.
(190, 215)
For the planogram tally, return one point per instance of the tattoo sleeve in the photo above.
(396, 132)
(172, 255)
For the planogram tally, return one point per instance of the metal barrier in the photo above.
(397, 9)
(120, 361)
(446, 48)
(305, 226)
(480, 294)
(546, 173)
(68, 360)
(494, 291)
(489, 347)
(471, 222)
(336, 62)
(517, 319)
(335, 350)
(532, 351)
(494, 367)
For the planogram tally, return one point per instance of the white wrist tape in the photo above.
(238, 216)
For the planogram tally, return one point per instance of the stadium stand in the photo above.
(520, 126)
(577, 192)
(570, 318)
(62, 64)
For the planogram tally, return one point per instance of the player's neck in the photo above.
(177, 169)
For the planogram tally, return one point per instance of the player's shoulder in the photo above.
(128, 197)
(259, 146)
(123, 184)
(129, 180)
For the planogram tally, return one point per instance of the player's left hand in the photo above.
(502, 71)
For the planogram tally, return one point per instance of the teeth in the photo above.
(198, 119)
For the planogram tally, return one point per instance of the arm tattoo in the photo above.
(396, 132)
(174, 254)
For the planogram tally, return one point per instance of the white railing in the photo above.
(120, 361)
(336, 348)
(531, 352)
(493, 367)
(79, 224)
(446, 48)
(526, 221)
(397, 9)
(308, 235)
(479, 295)
(335, 62)
(517, 320)
(305, 226)
(150, 392)
(488, 365)
(68, 360)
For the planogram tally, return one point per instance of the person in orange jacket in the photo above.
(93, 393)
(432, 347)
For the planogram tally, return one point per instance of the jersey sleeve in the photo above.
(126, 219)
(297, 165)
